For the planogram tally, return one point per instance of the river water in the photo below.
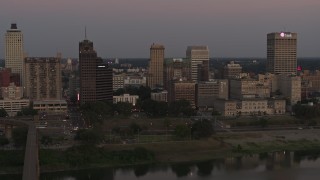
(272, 166)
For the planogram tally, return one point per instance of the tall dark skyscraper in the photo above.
(282, 53)
(95, 75)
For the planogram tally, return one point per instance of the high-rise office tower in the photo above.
(282, 53)
(43, 78)
(95, 75)
(14, 51)
(199, 56)
(155, 71)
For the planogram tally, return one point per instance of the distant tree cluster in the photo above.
(3, 112)
(304, 111)
(202, 129)
(28, 111)
(161, 109)
(19, 136)
(98, 111)
(89, 136)
(142, 91)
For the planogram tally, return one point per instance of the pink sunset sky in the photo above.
(127, 28)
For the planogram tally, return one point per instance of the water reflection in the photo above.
(141, 170)
(205, 168)
(96, 174)
(182, 169)
(279, 165)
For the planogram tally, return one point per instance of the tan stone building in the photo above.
(117, 81)
(12, 106)
(184, 90)
(207, 92)
(283, 86)
(12, 92)
(290, 87)
(155, 71)
(176, 69)
(135, 80)
(251, 107)
(14, 52)
(51, 106)
(160, 96)
(248, 88)
(43, 78)
(313, 80)
(231, 70)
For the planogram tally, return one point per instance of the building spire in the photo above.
(85, 32)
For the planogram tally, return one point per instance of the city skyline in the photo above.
(125, 28)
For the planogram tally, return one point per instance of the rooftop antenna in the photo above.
(85, 32)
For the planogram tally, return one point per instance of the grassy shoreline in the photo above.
(216, 147)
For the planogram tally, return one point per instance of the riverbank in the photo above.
(230, 144)
(219, 146)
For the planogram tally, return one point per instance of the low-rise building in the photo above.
(160, 96)
(118, 81)
(290, 87)
(12, 92)
(185, 90)
(208, 91)
(51, 106)
(12, 106)
(231, 70)
(136, 81)
(251, 107)
(248, 88)
(132, 99)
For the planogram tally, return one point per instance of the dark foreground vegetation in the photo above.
(84, 156)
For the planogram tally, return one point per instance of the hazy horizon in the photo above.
(126, 28)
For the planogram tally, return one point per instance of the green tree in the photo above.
(123, 108)
(135, 128)
(89, 136)
(148, 106)
(119, 92)
(263, 122)
(154, 108)
(3, 140)
(132, 90)
(167, 123)
(306, 112)
(3, 112)
(19, 136)
(97, 112)
(160, 109)
(27, 111)
(182, 131)
(216, 113)
(144, 93)
(179, 107)
(46, 140)
(202, 129)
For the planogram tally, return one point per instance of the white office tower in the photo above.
(14, 51)
(199, 57)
